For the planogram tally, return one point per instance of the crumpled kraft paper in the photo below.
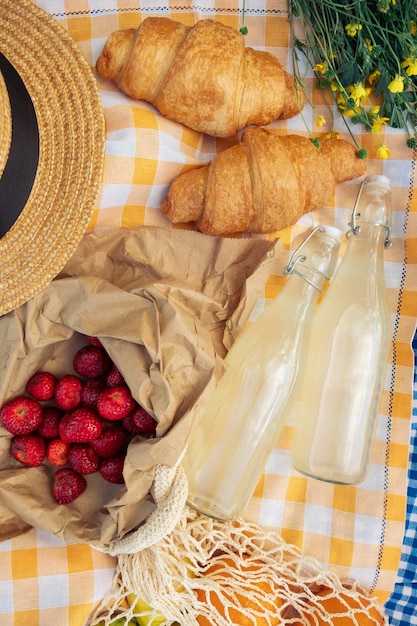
(160, 300)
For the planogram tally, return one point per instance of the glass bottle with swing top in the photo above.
(229, 446)
(347, 351)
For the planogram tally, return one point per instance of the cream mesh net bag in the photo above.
(181, 568)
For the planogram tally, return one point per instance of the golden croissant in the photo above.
(202, 76)
(263, 184)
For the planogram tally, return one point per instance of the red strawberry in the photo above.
(83, 459)
(111, 469)
(115, 403)
(114, 378)
(90, 393)
(129, 425)
(28, 449)
(41, 386)
(49, 427)
(68, 392)
(91, 362)
(57, 452)
(94, 341)
(80, 425)
(113, 439)
(21, 415)
(67, 485)
(144, 422)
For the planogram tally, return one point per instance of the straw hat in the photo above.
(57, 158)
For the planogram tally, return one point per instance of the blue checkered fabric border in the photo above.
(401, 607)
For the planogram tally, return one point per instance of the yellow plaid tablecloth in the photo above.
(355, 531)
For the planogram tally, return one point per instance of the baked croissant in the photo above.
(263, 184)
(202, 76)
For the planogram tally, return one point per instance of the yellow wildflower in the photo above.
(413, 27)
(320, 68)
(321, 120)
(352, 29)
(411, 66)
(332, 135)
(412, 69)
(374, 77)
(383, 151)
(369, 44)
(341, 103)
(357, 92)
(378, 123)
(397, 84)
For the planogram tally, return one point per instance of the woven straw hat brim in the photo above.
(5, 124)
(70, 121)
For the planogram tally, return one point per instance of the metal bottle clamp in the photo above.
(355, 229)
(294, 259)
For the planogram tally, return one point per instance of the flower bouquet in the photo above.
(364, 54)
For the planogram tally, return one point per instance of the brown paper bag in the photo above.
(159, 299)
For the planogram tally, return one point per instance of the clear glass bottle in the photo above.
(230, 444)
(348, 346)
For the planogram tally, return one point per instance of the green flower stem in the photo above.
(243, 28)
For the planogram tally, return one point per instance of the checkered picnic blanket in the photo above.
(401, 607)
(355, 531)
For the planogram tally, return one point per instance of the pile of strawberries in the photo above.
(80, 423)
